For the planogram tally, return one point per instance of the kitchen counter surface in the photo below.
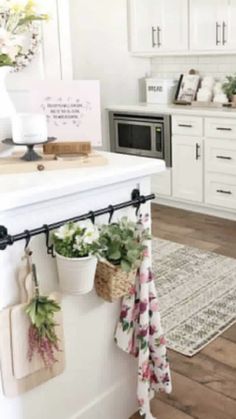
(145, 108)
(28, 188)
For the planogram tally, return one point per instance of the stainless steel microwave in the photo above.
(141, 135)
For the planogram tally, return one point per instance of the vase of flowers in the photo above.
(19, 41)
(121, 248)
(6, 106)
(76, 246)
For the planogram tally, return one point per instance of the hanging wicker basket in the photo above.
(111, 282)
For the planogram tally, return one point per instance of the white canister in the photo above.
(76, 275)
(29, 128)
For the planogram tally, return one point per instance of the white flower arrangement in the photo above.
(19, 31)
(75, 240)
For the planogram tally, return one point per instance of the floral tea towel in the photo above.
(140, 334)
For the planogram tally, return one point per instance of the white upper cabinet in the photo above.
(206, 20)
(229, 27)
(182, 26)
(212, 25)
(158, 25)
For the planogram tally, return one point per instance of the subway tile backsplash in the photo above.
(171, 67)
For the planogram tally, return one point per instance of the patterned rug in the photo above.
(197, 294)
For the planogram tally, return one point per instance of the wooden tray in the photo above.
(32, 375)
(18, 375)
(50, 162)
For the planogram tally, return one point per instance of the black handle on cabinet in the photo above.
(185, 125)
(153, 37)
(197, 151)
(224, 192)
(223, 129)
(224, 157)
(224, 33)
(217, 33)
(158, 36)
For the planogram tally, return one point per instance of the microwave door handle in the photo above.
(158, 129)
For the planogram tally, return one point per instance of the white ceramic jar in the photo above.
(76, 275)
(29, 128)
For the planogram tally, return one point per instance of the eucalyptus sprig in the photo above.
(42, 335)
(122, 243)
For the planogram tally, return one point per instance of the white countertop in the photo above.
(175, 110)
(24, 189)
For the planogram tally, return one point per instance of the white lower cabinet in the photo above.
(161, 183)
(221, 190)
(220, 156)
(187, 168)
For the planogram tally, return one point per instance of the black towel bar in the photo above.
(136, 201)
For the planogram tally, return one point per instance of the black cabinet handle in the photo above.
(224, 33)
(153, 37)
(197, 151)
(158, 36)
(217, 33)
(224, 157)
(185, 125)
(223, 129)
(224, 192)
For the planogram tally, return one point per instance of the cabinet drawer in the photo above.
(220, 156)
(187, 125)
(220, 128)
(221, 191)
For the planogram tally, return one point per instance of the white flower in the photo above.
(83, 225)
(9, 44)
(66, 231)
(91, 235)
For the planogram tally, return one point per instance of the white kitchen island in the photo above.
(99, 380)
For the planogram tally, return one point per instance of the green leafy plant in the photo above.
(122, 243)
(229, 87)
(75, 240)
(42, 335)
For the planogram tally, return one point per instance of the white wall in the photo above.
(216, 66)
(100, 51)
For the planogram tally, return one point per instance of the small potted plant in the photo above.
(120, 254)
(229, 87)
(76, 245)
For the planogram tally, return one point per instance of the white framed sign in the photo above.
(72, 109)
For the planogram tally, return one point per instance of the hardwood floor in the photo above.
(204, 387)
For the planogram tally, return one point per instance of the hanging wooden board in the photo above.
(11, 359)
(15, 165)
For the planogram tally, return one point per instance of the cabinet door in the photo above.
(206, 24)
(229, 27)
(172, 25)
(161, 183)
(143, 28)
(158, 25)
(188, 168)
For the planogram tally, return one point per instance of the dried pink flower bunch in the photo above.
(42, 334)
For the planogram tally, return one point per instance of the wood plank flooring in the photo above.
(204, 387)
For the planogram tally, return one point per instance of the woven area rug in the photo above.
(197, 294)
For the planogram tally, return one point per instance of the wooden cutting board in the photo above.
(19, 334)
(15, 165)
(13, 354)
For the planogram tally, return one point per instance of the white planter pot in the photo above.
(76, 275)
(6, 106)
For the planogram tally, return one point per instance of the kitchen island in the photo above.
(99, 380)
